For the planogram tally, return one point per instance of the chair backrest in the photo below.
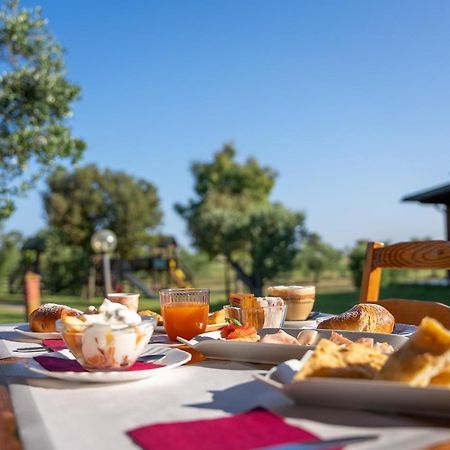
(408, 255)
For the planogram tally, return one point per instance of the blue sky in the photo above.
(349, 101)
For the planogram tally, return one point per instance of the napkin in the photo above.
(55, 364)
(54, 344)
(249, 430)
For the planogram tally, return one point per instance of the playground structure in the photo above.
(161, 272)
(161, 269)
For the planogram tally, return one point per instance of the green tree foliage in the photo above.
(9, 252)
(80, 202)
(317, 256)
(232, 216)
(35, 102)
(356, 261)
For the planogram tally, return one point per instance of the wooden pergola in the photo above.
(439, 195)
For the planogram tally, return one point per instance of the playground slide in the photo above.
(140, 285)
(180, 279)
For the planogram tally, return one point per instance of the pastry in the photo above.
(443, 378)
(425, 356)
(331, 360)
(217, 317)
(243, 300)
(362, 317)
(43, 319)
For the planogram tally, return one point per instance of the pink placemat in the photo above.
(250, 430)
(55, 364)
(54, 344)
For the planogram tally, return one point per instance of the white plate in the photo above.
(387, 396)
(210, 345)
(172, 358)
(300, 324)
(24, 329)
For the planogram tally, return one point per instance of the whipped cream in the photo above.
(114, 315)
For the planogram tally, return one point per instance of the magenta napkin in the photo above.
(55, 364)
(250, 430)
(54, 344)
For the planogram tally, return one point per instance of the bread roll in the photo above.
(43, 319)
(362, 317)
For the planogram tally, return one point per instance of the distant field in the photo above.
(335, 293)
(330, 298)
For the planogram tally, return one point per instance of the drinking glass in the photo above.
(185, 311)
(299, 300)
(131, 301)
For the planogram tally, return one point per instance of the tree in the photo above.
(35, 103)
(9, 252)
(232, 216)
(356, 261)
(81, 202)
(316, 256)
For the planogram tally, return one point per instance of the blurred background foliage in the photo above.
(35, 104)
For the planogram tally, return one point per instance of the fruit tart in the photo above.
(234, 331)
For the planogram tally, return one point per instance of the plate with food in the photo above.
(42, 321)
(414, 379)
(25, 330)
(272, 345)
(171, 359)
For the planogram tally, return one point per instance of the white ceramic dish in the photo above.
(300, 324)
(172, 358)
(24, 329)
(210, 345)
(386, 396)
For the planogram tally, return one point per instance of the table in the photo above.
(54, 414)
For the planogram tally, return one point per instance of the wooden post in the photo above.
(91, 282)
(32, 292)
(371, 279)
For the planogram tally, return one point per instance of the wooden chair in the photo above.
(408, 255)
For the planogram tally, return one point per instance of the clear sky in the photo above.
(348, 100)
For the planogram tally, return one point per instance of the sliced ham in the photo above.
(307, 337)
(280, 337)
(368, 342)
(384, 347)
(338, 339)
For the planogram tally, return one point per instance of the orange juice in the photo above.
(185, 319)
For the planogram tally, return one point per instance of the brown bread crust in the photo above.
(43, 319)
(362, 317)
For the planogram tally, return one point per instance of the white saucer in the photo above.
(24, 329)
(173, 358)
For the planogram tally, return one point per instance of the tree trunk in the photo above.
(227, 280)
(253, 282)
(241, 275)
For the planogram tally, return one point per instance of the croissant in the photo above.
(362, 317)
(43, 319)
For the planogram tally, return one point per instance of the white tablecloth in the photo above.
(59, 415)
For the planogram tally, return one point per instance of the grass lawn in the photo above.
(328, 299)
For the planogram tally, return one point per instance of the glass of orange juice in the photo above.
(185, 311)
